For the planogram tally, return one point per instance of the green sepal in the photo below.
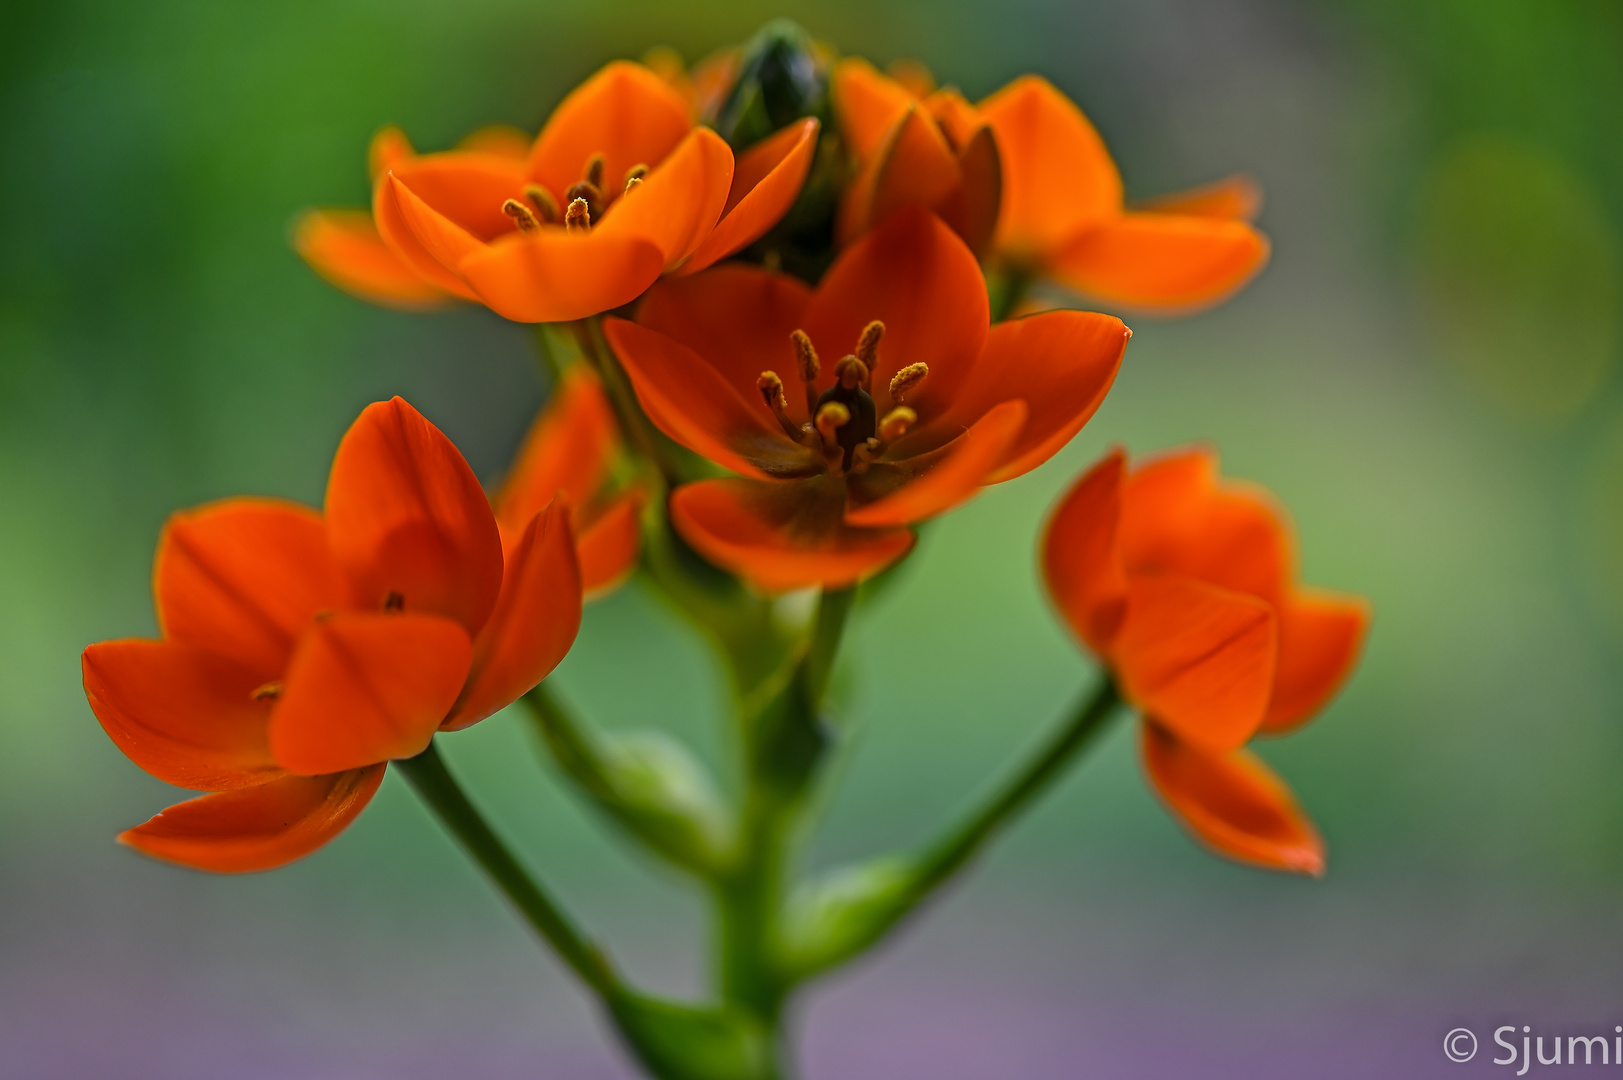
(782, 77)
(842, 914)
(681, 1042)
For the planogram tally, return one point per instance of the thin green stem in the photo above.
(439, 789)
(650, 447)
(959, 845)
(833, 608)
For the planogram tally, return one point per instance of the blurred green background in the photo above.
(1427, 373)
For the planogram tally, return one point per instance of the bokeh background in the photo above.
(1427, 372)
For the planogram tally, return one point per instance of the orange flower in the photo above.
(927, 404)
(303, 651)
(930, 149)
(567, 455)
(1185, 587)
(1053, 191)
(619, 188)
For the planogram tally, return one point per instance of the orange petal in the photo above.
(344, 247)
(1234, 804)
(766, 183)
(1061, 363)
(554, 276)
(737, 317)
(1058, 177)
(1177, 519)
(609, 545)
(1197, 658)
(693, 403)
(1236, 197)
(711, 79)
(566, 452)
(458, 197)
(186, 715)
(365, 688)
(919, 278)
(782, 536)
(913, 75)
(680, 201)
(389, 202)
(1320, 636)
(625, 112)
(959, 121)
(867, 104)
(258, 828)
(913, 166)
(981, 193)
(389, 147)
(963, 466)
(407, 520)
(498, 140)
(534, 624)
(244, 577)
(1162, 263)
(1081, 564)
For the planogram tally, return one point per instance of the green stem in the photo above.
(439, 789)
(833, 608)
(650, 446)
(1016, 282)
(952, 851)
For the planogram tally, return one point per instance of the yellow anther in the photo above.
(546, 207)
(851, 372)
(631, 182)
(868, 344)
(636, 174)
(578, 216)
(593, 173)
(806, 360)
(522, 216)
(905, 381)
(269, 692)
(830, 418)
(771, 388)
(896, 423)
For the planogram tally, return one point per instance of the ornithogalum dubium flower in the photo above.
(1025, 178)
(1186, 587)
(854, 410)
(567, 455)
(302, 651)
(774, 368)
(618, 188)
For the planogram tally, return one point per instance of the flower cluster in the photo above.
(798, 307)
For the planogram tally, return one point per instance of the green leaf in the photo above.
(846, 912)
(680, 1042)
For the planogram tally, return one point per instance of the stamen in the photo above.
(868, 344)
(896, 423)
(394, 602)
(631, 182)
(269, 692)
(830, 419)
(806, 360)
(545, 205)
(771, 388)
(851, 372)
(593, 173)
(905, 381)
(865, 454)
(636, 175)
(578, 216)
(521, 215)
(591, 194)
